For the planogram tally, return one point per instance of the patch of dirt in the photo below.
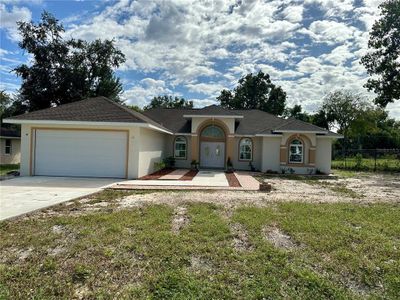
(232, 180)
(56, 251)
(279, 239)
(240, 237)
(23, 254)
(198, 264)
(180, 219)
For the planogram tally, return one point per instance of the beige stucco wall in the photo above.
(15, 156)
(257, 154)
(271, 154)
(323, 156)
(229, 122)
(134, 145)
(153, 146)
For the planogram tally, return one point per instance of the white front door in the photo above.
(212, 155)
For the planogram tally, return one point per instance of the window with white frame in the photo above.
(180, 147)
(296, 151)
(246, 149)
(7, 149)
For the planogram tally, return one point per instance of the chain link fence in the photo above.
(387, 160)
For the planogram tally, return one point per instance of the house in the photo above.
(97, 137)
(10, 145)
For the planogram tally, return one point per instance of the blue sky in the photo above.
(196, 48)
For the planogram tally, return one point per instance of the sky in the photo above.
(194, 48)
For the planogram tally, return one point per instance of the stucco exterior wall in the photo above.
(229, 122)
(15, 155)
(323, 158)
(257, 154)
(134, 145)
(270, 154)
(180, 163)
(152, 149)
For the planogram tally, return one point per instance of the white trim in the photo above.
(301, 131)
(269, 135)
(213, 116)
(329, 137)
(86, 123)
(185, 134)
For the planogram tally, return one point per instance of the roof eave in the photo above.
(86, 123)
(214, 116)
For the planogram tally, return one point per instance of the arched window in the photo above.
(213, 132)
(296, 151)
(246, 149)
(180, 147)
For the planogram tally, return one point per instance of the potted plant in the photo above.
(194, 164)
(170, 161)
(229, 166)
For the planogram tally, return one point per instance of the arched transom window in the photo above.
(296, 151)
(180, 147)
(213, 132)
(246, 149)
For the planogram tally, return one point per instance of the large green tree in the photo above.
(342, 109)
(383, 58)
(63, 71)
(255, 92)
(169, 102)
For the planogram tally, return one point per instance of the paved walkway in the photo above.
(26, 194)
(174, 175)
(204, 180)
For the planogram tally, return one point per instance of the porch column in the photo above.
(311, 156)
(283, 156)
(195, 147)
(230, 143)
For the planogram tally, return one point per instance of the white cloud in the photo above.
(293, 14)
(338, 55)
(330, 32)
(143, 91)
(309, 65)
(9, 19)
(208, 89)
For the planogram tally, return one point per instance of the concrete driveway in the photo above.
(26, 194)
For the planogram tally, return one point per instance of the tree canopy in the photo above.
(64, 71)
(255, 92)
(169, 102)
(383, 59)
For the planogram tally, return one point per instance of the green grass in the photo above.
(337, 187)
(4, 169)
(386, 164)
(346, 251)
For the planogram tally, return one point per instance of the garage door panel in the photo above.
(80, 153)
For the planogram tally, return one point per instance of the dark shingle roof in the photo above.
(98, 109)
(215, 110)
(254, 121)
(8, 132)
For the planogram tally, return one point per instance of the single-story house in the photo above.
(97, 137)
(10, 144)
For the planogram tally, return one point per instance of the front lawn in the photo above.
(4, 169)
(204, 251)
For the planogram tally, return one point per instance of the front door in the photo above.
(212, 155)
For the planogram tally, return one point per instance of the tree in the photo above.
(320, 119)
(255, 92)
(383, 60)
(297, 112)
(169, 102)
(64, 71)
(342, 108)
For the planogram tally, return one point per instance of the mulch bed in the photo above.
(232, 180)
(189, 175)
(157, 174)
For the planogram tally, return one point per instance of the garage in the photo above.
(80, 152)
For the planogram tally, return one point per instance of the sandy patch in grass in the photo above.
(198, 264)
(180, 219)
(240, 237)
(279, 239)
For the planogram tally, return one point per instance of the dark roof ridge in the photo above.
(292, 120)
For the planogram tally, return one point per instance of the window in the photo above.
(7, 149)
(213, 132)
(296, 152)
(246, 149)
(180, 147)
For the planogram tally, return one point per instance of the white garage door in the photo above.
(82, 153)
